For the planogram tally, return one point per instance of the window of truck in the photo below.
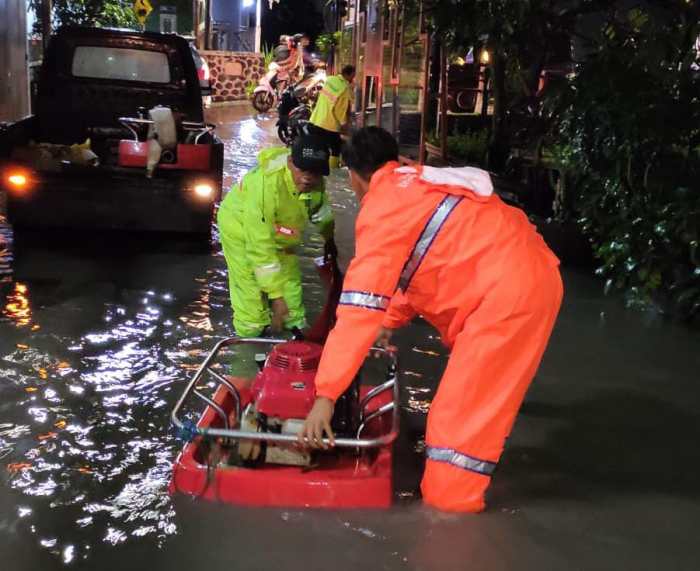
(123, 64)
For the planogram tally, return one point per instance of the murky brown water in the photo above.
(97, 338)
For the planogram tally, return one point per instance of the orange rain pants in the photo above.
(439, 243)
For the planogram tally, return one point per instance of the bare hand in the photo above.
(384, 338)
(317, 423)
(280, 311)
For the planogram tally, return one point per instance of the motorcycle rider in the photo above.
(332, 111)
(289, 58)
(281, 52)
(261, 222)
(308, 58)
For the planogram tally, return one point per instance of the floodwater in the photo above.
(98, 337)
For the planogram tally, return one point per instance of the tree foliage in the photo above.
(629, 137)
(624, 127)
(101, 13)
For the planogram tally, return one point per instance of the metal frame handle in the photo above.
(204, 128)
(392, 383)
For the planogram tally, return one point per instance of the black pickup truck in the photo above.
(81, 160)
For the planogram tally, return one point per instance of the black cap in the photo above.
(310, 153)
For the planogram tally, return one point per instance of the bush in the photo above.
(325, 42)
(268, 56)
(250, 88)
(470, 147)
(629, 142)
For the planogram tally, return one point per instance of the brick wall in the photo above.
(231, 72)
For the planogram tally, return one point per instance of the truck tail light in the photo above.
(204, 190)
(17, 180)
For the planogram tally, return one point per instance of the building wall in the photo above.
(231, 72)
(233, 25)
(166, 12)
(14, 89)
(388, 44)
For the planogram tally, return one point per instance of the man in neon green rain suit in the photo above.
(261, 222)
(332, 110)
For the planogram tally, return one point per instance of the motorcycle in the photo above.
(269, 89)
(293, 114)
(312, 84)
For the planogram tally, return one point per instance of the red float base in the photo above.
(342, 480)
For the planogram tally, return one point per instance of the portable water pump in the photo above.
(282, 395)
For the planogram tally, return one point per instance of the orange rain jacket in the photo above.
(482, 246)
(477, 270)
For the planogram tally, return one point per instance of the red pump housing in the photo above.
(285, 387)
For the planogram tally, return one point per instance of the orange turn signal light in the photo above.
(17, 180)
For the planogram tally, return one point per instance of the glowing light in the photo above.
(17, 180)
(485, 57)
(248, 3)
(203, 190)
(17, 308)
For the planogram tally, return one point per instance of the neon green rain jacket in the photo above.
(261, 221)
(330, 112)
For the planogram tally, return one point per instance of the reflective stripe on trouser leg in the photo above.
(494, 358)
(250, 312)
(453, 481)
(459, 460)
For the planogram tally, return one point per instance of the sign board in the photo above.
(142, 8)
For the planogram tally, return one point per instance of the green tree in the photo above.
(101, 13)
(629, 139)
(522, 37)
(625, 128)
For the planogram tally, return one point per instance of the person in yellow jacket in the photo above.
(332, 110)
(261, 222)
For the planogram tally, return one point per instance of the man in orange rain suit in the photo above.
(439, 243)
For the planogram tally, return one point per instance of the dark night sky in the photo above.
(291, 17)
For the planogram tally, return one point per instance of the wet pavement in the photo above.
(97, 338)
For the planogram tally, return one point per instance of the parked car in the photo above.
(203, 73)
(80, 160)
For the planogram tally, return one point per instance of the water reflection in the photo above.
(17, 308)
(85, 399)
(85, 439)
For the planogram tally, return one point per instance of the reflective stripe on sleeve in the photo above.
(364, 299)
(267, 270)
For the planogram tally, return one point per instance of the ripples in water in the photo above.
(90, 366)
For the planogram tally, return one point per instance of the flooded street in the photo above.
(98, 337)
